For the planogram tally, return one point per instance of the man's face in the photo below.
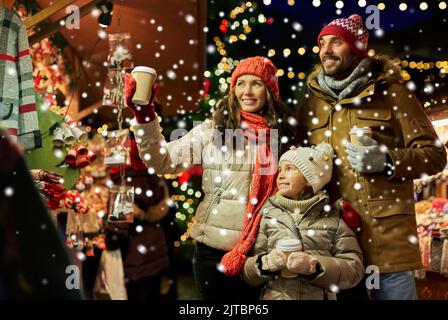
(336, 58)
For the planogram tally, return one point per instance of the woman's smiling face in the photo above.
(250, 92)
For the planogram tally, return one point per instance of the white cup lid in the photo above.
(360, 130)
(288, 244)
(144, 69)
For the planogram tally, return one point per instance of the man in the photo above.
(350, 89)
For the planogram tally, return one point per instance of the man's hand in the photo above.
(368, 158)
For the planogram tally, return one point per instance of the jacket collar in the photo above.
(317, 207)
(383, 69)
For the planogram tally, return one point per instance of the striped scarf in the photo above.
(17, 104)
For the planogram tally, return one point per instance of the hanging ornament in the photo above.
(120, 56)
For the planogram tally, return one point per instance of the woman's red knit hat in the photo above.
(261, 67)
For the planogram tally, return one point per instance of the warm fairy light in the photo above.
(315, 49)
(381, 6)
(423, 6)
(301, 51)
(271, 53)
(403, 6)
(442, 5)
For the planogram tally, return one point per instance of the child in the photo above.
(330, 258)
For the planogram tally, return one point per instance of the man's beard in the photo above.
(341, 71)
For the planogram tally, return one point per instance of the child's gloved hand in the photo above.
(143, 114)
(301, 263)
(273, 261)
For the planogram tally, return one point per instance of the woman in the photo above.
(237, 150)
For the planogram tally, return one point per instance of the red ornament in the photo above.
(224, 27)
(207, 85)
(349, 215)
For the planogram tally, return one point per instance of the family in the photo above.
(288, 191)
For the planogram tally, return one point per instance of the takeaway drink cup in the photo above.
(144, 78)
(356, 132)
(287, 246)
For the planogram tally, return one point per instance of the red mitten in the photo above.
(349, 214)
(143, 114)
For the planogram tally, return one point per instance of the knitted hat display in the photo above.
(261, 67)
(316, 163)
(352, 31)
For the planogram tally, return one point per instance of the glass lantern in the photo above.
(120, 56)
(111, 89)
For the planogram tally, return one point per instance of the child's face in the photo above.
(290, 181)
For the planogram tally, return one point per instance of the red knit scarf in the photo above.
(263, 186)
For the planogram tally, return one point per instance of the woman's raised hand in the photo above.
(143, 114)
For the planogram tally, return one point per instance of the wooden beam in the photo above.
(86, 111)
(47, 12)
(7, 3)
(56, 26)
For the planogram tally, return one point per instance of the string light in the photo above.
(423, 6)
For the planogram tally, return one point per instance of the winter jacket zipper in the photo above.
(216, 200)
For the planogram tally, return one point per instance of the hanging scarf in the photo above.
(346, 86)
(263, 186)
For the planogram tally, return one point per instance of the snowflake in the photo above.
(9, 191)
(139, 228)
(142, 249)
(81, 256)
(413, 239)
(220, 268)
(334, 288)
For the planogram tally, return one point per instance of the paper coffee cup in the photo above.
(356, 132)
(144, 78)
(287, 246)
